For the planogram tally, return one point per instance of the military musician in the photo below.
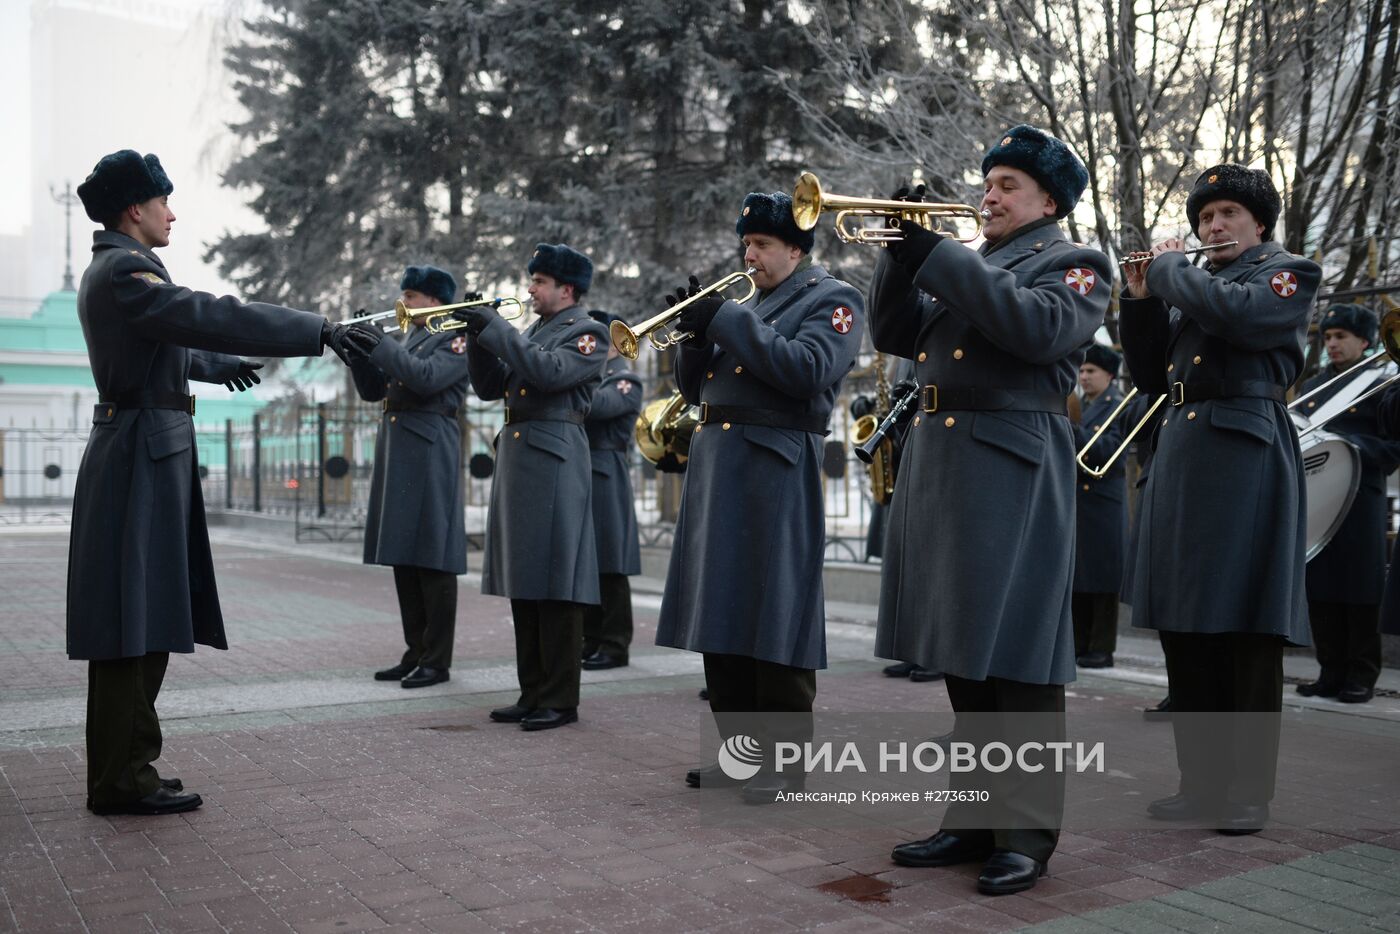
(744, 585)
(611, 427)
(1218, 569)
(140, 573)
(541, 551)
(1346, 578)
(415, 521)
(1100, 515)
(979, 556)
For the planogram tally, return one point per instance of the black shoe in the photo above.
(899, 669)
(600, 661)
(704, 694)
(1095, 660)
(589, 648)
(925, 674)
(1236, 820)
(397, 673)
(1355, 694)
(941, 849)
(1007, 872)
(1180, 807)
(709, 776)
(765, 787)
(1162, 710)
(174, 784)
(512, 714)
(160, 801)
(1320, 688)
(421, 677)
(547, 718)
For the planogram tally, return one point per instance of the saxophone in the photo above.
(880, 465)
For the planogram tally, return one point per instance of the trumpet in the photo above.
(438, 318)
(628, 340)
(1144, 256)
(809, 201)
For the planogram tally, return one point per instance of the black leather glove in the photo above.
(245, 377)
(903, 388)
(334, 337)
(903, 193)
(364, 338)
(683, 292)
(916, 244)
(862, 406)
(472, 297)
(697, 316)
(477, 318)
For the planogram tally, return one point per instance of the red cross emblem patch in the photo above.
(1081, 280)
(587, 344)
(842, 319)
(459, 345)
(1284, 283)
(624, 387)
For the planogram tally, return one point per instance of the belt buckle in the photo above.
(1177, 396)
(704, 412)
(191, 405)
(930, 390)
(507, 421)
(384, 404)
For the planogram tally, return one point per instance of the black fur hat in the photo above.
(1357, 319)
(430, 280)
(120, 180)
(772, 214)
(1045, 159)
(1105, 358)
(563, 264)
(1251, 187)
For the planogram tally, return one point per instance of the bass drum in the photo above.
(1332, 472)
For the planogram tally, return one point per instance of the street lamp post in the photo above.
(67, 199)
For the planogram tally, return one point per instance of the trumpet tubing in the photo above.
(628, 340)
(439, 317)
(809, 202)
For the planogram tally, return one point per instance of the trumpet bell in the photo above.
(624, 339)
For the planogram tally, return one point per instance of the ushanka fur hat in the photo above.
(1044, 158)
(120, 180)
(1250, 187)
(563, 264)
(1105, 358)
(772, 214)
(430, 280)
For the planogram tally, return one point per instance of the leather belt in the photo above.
(767, 418)
(427, 408)
(151, 399)
(1203, 389)
(986, 399)
(514, 416)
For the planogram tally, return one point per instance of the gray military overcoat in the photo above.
(979, 555)
(611, 428)
(415, 515)
(539, 529)
(140, 574)
(1101, 505)
(745, 576)
(1223, 518)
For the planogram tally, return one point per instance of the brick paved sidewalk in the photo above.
(333, 803)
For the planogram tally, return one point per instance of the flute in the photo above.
(1146, 257)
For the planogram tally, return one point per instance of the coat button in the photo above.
(393, 418)
(1190, 416)
(1312, 405)
(726, 426)
(1352, 409)
(949, 422)
(958, 354)
(1170, 367)
(109, 412)
(738, 369)
(699, 428)
(1196, 359)
(1086, 488)
(923, 357)
(522, 390)
(517, 434)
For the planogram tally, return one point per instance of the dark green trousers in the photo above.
(548, 640)
(1348, 642)
(1229, 687)
(1095, 622)
(607, 627)
(742, 687)
(1024, 810)
(123, 731)
(428, 609)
